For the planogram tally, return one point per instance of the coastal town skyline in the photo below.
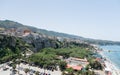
(90, 19)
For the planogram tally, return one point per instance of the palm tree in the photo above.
(26, 70)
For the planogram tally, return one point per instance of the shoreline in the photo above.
(110, 66)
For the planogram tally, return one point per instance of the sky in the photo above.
(98, 19)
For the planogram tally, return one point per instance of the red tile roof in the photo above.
(75, 67)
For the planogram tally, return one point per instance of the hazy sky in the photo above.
(99, 19)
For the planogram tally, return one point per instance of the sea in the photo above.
(112, 52)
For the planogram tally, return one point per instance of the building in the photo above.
(77, 67)
(76, 63)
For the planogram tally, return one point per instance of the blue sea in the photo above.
(112, 52)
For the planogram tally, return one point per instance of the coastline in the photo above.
(110, 66)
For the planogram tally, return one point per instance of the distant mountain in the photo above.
(7, 24)
(11, 24)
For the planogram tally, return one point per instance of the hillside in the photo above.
(11, 47)
(11, 24)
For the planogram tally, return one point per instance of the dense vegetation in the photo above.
(49, 57)
(94, 65)
(11, 47)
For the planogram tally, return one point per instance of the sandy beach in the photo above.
(110, 66)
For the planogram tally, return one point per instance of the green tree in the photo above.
(96, 65)
(62, 65)
(70, 71)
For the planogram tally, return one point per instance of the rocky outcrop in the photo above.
(39, 41)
